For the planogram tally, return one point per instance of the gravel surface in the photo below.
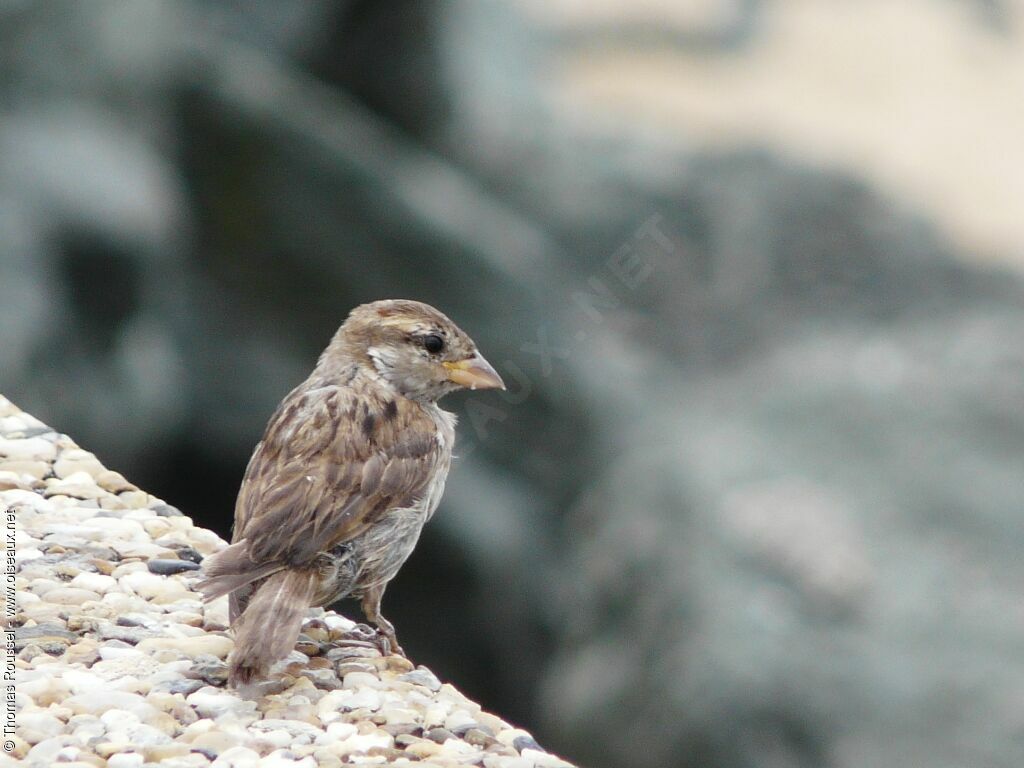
(118, 663)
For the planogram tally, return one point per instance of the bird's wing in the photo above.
(332, 460)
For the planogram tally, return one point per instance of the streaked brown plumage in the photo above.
(352, 464)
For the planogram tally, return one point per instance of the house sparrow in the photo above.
(351, 465)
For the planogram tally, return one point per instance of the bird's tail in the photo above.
(269, 627)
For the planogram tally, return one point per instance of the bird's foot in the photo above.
(388, 643)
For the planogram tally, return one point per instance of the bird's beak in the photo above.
(474, 373)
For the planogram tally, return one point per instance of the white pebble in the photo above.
(237, 757)
(29, 553)
(43, 690)
(337, 732)
(277, 759)
(75, 460)
(212, 702)
(38, 725)
(109, 652)
(457, 719)
(139, 735)
(96, 582)
(28, 448)
(46, 751)
(334, 621)
(276, 739)
(98, 701)
(86, 728)
(400, 715)
(364, 698)
(364, 742)
(80, 681)
(125, 760)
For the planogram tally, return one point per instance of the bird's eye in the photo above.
(433, 343)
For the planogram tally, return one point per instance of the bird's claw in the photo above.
(388, 645)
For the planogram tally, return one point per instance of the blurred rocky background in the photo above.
(752, 269)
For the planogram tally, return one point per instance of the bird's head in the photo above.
(415, 348)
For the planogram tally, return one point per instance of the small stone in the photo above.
(295, 728)
(351, 651)
(364, 698)
(84, 652)
(462, 730)
(164, 753)
(70, 596)
(74, 460)
(213, 645)
(439, 735)
(403, 740)
(149, 585)
(95, 582)
(479, 738)
(66, 570)
(214, 702)
(38, 725)
(99, 701)
(213, 743)
(398, 664)
(156, 527)
(287, 759)
(48, 751)
(131, 635)
(398, 729)
(106, 567)
(337, 732)
(348, 667)
(111, 503)
(79, 485)
(43, 635)
(305, 644)
(166, 510)
(36, 470)
(27, 553)
(139, 550)
(28, 448)
(238, 757)
(113, 482)
(362, 680)
(32, 651)
(325, 679)
(10, 480)
(423, 749)
(434, 715)
(190, 554)
(209, 668)
(460, 718)
(422, 676)
(134, 499)
(364, 742)
(317, 629)
(125, 760)
(399, 714)
(526, 742)
(170, 567)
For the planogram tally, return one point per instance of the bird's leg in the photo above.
(385, 629)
